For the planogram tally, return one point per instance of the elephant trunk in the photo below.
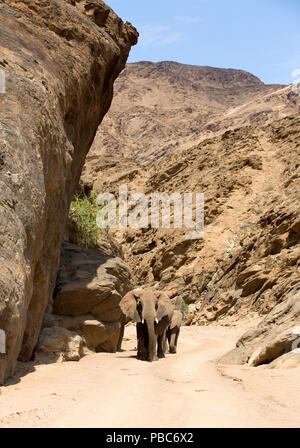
(152, 339)
(149, 318)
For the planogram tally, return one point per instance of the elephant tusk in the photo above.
(143, 321)
(156, 320)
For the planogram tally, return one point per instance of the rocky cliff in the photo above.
(89, 287)
(60, 58)
(249, 179)
(248, 260)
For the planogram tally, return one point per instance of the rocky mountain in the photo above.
(248, 260)
(165, 107)
(60, 58)
(175, 128)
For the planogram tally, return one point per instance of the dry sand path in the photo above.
(183, 390)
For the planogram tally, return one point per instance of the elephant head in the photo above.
(173, 331)
(148, 308)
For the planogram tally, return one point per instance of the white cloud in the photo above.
(296, 73)
(157, 35)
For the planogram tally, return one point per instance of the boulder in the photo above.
(59, 344)
(276, 335)
(88, 290)
(90, 282)
(281, 344)
(101, 336)
(287, 361)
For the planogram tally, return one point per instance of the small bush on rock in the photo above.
(83, 213)
(184, 308)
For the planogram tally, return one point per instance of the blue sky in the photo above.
(260, 36)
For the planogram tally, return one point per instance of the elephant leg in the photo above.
(173, 342)
(176, 339)
(169, 337)
(142, 352)
(160, 347)
(122, 328)
(165, 342)
(161, 340)
(123, 321)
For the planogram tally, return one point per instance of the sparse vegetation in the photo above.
(184, 308)
(83, 213)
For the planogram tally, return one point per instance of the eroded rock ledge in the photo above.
(61, 59)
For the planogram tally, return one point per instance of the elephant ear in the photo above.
(128, 306)
(164, 306)
(176, 319)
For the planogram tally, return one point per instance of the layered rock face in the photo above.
(90, 282)
(261, 268)
(60, 59)
(249, 256)
(89, 287)
(276, 340)
(248, 260)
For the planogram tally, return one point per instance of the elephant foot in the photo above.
(142, 357)
(155, 358)
(161, 355)
(172, 350)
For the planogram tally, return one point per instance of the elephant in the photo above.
(173, 331)
(152, 311)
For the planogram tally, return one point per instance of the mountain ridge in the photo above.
(166, 107)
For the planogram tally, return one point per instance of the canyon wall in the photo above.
(248, 262)
(60, 59)
(250, 179)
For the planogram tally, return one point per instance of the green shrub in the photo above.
(83, 213)
(184, 308)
